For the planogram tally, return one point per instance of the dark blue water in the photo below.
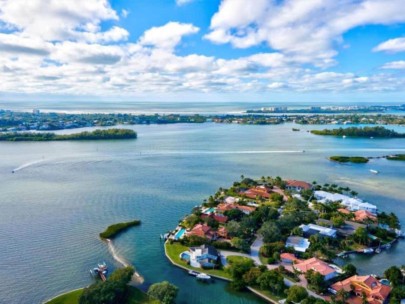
(52, 209)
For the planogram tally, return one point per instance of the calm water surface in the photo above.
(65, 193)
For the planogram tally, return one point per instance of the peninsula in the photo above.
(279, 238)
(116, 229)
(109, 134)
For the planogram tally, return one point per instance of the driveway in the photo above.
(255, 249)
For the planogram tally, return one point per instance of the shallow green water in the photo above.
(65, 193)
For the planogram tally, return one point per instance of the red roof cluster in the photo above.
(298, 184)
(315, 264)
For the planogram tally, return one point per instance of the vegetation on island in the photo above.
(67, 298)
(366, 132)
(400, 157)
(349, 159)
(93, 135)
(115, 229)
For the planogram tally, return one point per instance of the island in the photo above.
(400, 157)
(365, 132)
(109, 134)
(281, 238)
(115, 229)
(349, 159)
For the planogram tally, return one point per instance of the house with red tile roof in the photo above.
(202, 230)
(221, 208)
(260, 191)
(246, 209)
(289, 258)
(218, 217)
(357, 286)
(296, 185)
(316, 265)
(344, 211)
(364, 215)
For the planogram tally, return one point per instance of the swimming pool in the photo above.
(209, 210)
(179, 234)
(185, 256)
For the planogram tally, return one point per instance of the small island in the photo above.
(116, 229)
(365, 132)
(349, 159)
(108, 134)
(400, 157)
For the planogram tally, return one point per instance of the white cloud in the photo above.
(168, 35)
(306, 29)
(183, 2)
(394, 65)
(391, 46)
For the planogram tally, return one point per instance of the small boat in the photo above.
(344, 136)
(368, 250)
(203, 276)
(13, 171)
(374, 171)
(193, 273)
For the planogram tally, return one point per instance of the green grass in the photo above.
(236, 258)
(115, 229)
(349, 159)
(68, 298)
(263, 259)
(174, 250)
(136, 296)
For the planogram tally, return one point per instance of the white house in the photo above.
(298, 243)
(311, 229)
(353, 204)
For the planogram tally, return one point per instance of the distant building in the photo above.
(353, 204)
(312, 229)
(316, 265)
(298, 243)
(296, 185)
(358, 286)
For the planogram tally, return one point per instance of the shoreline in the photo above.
(62, 294)
(259, 294)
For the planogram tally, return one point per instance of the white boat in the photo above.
(368, 250)
(344, 136)
(374, 171)
(203, 276)
(193, 273)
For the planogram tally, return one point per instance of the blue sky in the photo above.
(203, 50)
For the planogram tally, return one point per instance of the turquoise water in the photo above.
(65, 193)
(179, 234)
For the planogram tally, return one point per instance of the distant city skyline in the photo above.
(203, 50)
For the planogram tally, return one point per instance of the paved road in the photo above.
(255, 248)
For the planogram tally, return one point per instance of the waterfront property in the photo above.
(180, 234)
(312, 229)
(289, 258)
(298, 243)
(353, 204)
(316, 265)
(295, 185)
(202, 230)
(204, 256)
(362, 288)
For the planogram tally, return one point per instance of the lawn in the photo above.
(136, 296)
(174, 250)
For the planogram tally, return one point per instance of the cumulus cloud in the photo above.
(168, 35)
(394, 65)
(391, 46)
(309, 30)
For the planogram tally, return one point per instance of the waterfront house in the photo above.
(316, 265)
(218, 217)
(359, 286)
(353, 204)
(295, 185)
(298, 243)
(364, 216)
(231, 200)
(246, 209)
(202, 230)
(312, 229)
(221, 208)
(260, 191)
(345, 230)
(289, 258)
(204, 256)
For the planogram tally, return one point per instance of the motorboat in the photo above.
(374, 171)
(203, 276)
(193, 273)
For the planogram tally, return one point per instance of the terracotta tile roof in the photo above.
(374, 290)
(219, 218)
(316, 265)
(343, 210)
(362, 215)
(300, 184)
(289, 256)
(201, 230)
(246, 208)
(257, 191)
(225, 207)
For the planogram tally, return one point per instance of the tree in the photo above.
(271, 280)
(165, 292)
(233, 228)
(270, 232)
(316, 280)
(234, 214)
(296, 294)
(251, 276)
(361, 236)
(337, 221)
(342, 295)
(394, 275)
(350, 270)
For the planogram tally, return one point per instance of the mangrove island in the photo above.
(366, 132)
(115, 229)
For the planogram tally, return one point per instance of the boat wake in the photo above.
(29, 164)
(136, 278)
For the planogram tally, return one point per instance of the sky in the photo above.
(203, 50)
